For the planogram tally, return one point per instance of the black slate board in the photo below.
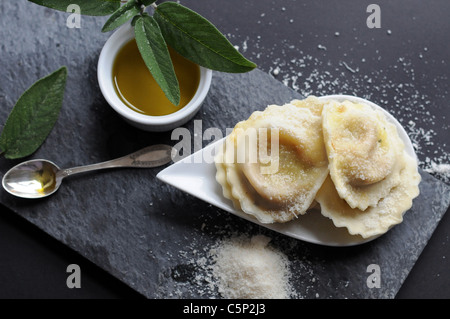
(145, 232)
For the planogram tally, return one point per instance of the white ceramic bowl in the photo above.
(145, 122)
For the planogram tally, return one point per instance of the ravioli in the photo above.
(275, 162)
(363, 149)
(374, 220)
(221, 176)
(345, 158)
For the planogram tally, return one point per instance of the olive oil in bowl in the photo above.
(139, 91)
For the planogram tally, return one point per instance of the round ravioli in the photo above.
(378, 219)
(275, 162)
(363, 150)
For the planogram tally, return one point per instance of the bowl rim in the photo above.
(104, 76)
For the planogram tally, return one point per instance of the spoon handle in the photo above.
(151, 156)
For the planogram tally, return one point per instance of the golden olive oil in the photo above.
(138, 89)
(44, 179)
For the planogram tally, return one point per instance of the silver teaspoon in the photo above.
(40, 178)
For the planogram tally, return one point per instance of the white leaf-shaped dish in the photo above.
(196, 173)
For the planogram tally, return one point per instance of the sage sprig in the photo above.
(186, 31)
(33, 116)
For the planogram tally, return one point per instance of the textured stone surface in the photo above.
(140, 229)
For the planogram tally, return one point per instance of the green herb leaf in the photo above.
(88, 7)
(156, 56)
(33, 116)
(133, 21)
(198, 40)
(122, 15)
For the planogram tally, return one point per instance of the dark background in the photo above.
(315, 47)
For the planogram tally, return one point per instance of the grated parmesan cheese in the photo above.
(441, 168)
(250, 269)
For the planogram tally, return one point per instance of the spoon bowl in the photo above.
(32, 179)
(40, 178)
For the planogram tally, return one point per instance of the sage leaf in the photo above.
(33, 116)
(156, 56)
(133, 21)
(87, 7)
(122, 15)
(198, 40)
